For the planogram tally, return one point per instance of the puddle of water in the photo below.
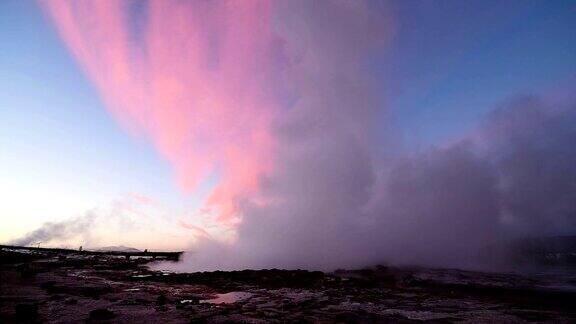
(228, 298)
(141, 276)
(189, 301)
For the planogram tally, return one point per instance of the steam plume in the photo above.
(58, 231)
(277, 98)
(132, 220)
(333, 204)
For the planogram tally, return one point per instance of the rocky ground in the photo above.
(79, 289)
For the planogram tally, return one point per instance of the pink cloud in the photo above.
(194, 79)
(198, 232)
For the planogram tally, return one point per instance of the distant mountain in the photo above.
(118, 248)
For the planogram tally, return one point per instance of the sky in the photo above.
(61, 153)
(167, 124)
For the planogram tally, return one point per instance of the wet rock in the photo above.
(74, 288)
(26, 311)
(101, 314)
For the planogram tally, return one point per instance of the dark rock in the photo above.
(57, 297)
(26, 272)
(7, 257)
(101, 314)
(26, 311)
(93, 291)
(198, 319)
(48, 286)
(70, 301)
(161, 300)
(346, 317)
(142, 301)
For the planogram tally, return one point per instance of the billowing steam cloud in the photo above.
(334, 204)
(532, 147)
(132, 220)
(277, 99)
(58, 231)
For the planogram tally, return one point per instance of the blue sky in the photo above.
(61, 153)
(448, 65)
(452, 61)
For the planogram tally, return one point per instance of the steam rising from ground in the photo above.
(58, 231)
(132, 220)
(335, 205)
(293, 121)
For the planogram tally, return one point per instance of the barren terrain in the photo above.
(111, 289)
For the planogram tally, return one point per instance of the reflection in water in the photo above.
(228, 298)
